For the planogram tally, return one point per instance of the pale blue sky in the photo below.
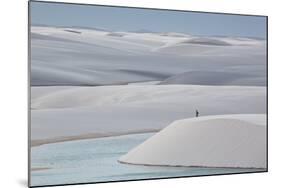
(131, 19)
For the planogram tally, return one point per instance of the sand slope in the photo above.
(211, 141)
(214, 78)
(79, 80)
(80, 56)
(74, 111)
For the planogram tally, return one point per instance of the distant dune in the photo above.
(207, 41)
(115, 34)
(235, 141)
(63, 56)
(214, 78)
(99, 82)
(67, 111)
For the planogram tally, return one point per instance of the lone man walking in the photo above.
(197, 113)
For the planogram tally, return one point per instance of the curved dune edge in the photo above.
(226, 141)
(99, 55)
(190, 166)
(40, 142)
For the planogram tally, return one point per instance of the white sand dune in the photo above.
(207, 41)
(144, 95)
(214, 78)
(98, 82)
(211, 141)
(82, 56)
(72, 111)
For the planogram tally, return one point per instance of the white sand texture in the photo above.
(90, 57)
(91, 83)
(237, 141)
(63, 112)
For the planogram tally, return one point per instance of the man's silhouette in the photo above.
(197, 113)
